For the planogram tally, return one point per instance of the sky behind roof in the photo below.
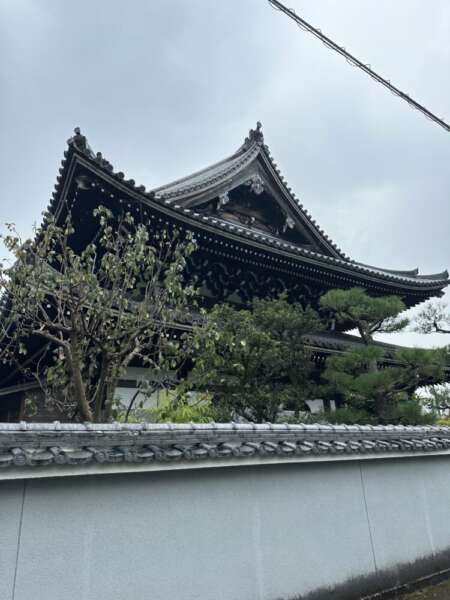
(165, 88)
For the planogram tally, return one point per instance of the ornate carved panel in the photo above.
(223, 280)
(252, 206)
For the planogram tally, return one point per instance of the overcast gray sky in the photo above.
(163, 88)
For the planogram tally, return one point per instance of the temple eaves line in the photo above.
(408, 277)
(85, 172)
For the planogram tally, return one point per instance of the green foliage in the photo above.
(371, 393)
(411, 412)
(252, 362)
(185, 410)
(421, 367)
(378, 392)
(347, 415)
(304, 418)
(356, 309)
(408, 411)
(171, 408)
(96, 310)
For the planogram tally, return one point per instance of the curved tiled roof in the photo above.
(217, 173)
(210, 175)
(253, 145)
(33, 445)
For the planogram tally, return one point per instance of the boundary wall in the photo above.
(109, 512)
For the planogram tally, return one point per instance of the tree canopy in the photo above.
(96, 310)
(372, 379)
(254, 361)
(115, 303)
(356, 309)
(377, 393)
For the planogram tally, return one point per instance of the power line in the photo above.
(357, 63)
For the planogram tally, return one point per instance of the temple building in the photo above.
(254, 238)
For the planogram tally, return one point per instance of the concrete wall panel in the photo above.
(243, 533)
(311, 522)
(11, 495)
(434, 481)
(397, 510)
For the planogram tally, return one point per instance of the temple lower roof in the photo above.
(411, 276)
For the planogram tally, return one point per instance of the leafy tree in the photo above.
(357, 377)
(253, 361)
(433, 318)
(96, 310)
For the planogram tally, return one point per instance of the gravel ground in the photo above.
(436, 592)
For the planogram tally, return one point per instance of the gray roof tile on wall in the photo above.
(41, 444)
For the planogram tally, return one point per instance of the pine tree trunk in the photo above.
(367, 339)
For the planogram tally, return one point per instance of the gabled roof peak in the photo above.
(195, 188)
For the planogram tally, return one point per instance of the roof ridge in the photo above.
(254, 140)
(253, 146)
(300, 205)
(405, 272)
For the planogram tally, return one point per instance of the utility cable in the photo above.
(357, 63)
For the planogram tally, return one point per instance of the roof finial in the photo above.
(255, 136)
(80, 142)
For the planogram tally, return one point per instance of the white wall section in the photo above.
(263, 532)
